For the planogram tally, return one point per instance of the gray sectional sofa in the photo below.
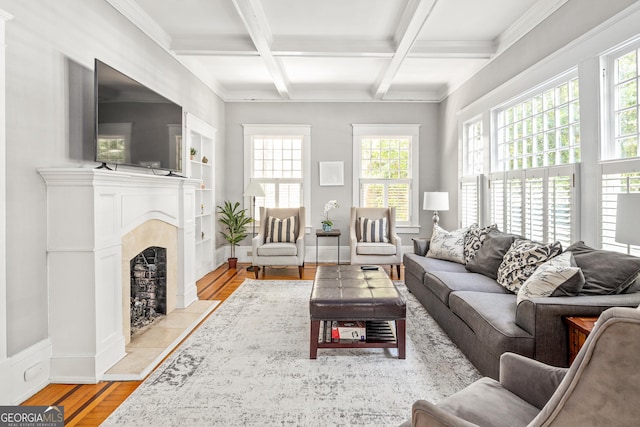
(483, 319)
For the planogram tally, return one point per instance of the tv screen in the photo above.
(135, 126)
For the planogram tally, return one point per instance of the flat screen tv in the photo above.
(135, 126)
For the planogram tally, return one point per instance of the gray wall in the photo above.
(51, 47)
(332, 140)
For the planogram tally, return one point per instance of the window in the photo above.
(540, 129)
(472, 169)
(386, 169)
(277, 156)
(537, 152)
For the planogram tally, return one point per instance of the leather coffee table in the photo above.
(347, 292)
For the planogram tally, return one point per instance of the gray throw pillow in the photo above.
(420, 245)
(605, 272)
(474, 239)
(489, 257)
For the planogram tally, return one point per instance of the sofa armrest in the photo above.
(421, 245)
(542, 318)
(533, 381)
(426, 414)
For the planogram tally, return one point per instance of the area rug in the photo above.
(248, 365)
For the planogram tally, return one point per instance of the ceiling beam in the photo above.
(255, 21)
(413, 19)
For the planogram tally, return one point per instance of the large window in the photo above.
(385, 169)
(278, 158)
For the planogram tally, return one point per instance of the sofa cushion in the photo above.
(447, 245)
(557, 277)
(278, 249)
(489, 257)
(605, 272)
(419, 265)
(442, 283)
(365, 248)
(493, 319)
(522, 259)
(475, 238)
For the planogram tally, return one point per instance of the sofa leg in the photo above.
(256, 269)
(301, 270)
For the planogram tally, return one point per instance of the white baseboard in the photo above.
(26, 373)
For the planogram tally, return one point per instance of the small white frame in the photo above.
(331, 173)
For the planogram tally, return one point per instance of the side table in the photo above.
(579, 330)
(333, 233)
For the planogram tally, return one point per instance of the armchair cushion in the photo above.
(281, 230)
(373, 230)
(278, 249)
(364, 248)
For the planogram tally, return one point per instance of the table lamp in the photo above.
(435, 201)
(627, 211)
(254, 189)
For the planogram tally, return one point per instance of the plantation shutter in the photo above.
(514, 189)
(561, 204)
(497, 185)
(534, 204)
(617, 178)
(470, 197)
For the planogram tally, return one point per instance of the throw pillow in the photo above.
(557, 277)
(281, 230)
(522, 259)
(489, 257)
(447, 245)
(605, 272)
(373, 231)
(474, 239)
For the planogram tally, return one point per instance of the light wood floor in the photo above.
(91, 404)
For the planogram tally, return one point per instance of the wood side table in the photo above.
(579, 330)
(333, 233)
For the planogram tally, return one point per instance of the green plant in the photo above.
(193, 151)
(235, 221)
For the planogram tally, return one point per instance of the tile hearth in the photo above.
(147, 349)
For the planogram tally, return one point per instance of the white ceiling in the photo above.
(335, 50)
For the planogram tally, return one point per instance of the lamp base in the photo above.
(436, 218)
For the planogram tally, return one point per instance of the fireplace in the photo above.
(148, 288)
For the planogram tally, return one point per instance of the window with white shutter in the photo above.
(470, 197)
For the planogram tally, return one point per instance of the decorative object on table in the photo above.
(193, 152)
(253, 190)
(235, 221)
(331, 173)
(327, 224)
(436, 201)
(204, 159)
(627, 230)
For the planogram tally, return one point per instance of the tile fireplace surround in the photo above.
(95, 220)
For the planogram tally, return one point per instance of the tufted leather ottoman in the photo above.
(346, 292)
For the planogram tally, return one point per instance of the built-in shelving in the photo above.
(201, 137)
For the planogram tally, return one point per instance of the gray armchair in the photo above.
(279, 253)
(386, 253)
(602, 386)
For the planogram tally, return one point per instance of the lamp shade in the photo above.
(436, 201)
(254, 189)
(627, 211)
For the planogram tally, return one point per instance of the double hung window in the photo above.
(386, 169)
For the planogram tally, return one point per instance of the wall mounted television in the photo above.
(135, 126)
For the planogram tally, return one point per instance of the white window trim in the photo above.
(282, 129)
(413, 130)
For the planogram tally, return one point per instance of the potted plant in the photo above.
(235, 221)
(327, 224)
(193, 152)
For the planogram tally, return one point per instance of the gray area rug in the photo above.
(248, 365)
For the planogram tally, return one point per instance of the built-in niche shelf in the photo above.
(201, 137)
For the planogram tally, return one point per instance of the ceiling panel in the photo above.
(336, 70)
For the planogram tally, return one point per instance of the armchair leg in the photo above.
(256, 269)
(398, 270)
(301, 270)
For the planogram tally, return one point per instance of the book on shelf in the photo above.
(352, 330)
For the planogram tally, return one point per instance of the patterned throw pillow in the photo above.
(373, 231)
(281, 230)
(522, 259)
(474, 239)
(447, 245)
(560, 276)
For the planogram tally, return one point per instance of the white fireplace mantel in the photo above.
(88, 213)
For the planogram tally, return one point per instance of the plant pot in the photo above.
(326, 227)
(233, 262)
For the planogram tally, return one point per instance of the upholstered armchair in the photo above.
(601, 387)
(280, 240)
(380, 244)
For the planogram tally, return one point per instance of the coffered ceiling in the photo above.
(335, 50)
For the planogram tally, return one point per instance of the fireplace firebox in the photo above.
(148, 287)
